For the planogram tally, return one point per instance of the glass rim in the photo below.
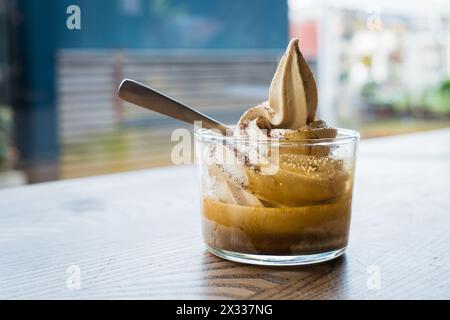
(343, 136)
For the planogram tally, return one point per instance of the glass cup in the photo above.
(276, 202)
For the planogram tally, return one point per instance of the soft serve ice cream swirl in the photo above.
(302, 174)
(290, 112)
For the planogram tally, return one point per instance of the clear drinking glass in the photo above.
(276, 202)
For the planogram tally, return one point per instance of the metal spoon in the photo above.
(145, 97)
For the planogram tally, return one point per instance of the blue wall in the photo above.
(173, 23)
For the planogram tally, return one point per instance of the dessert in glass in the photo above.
(277, 190)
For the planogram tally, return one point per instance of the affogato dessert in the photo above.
(279, 189)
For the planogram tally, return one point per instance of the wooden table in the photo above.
(137, 235)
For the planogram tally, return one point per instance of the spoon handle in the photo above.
(143, 96)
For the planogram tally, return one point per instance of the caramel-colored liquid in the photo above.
(306, 209)
(290, 230)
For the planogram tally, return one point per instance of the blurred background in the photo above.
(383, 68)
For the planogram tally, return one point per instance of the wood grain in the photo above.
(137, 235)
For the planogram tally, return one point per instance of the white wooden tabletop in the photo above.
(137, 235)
